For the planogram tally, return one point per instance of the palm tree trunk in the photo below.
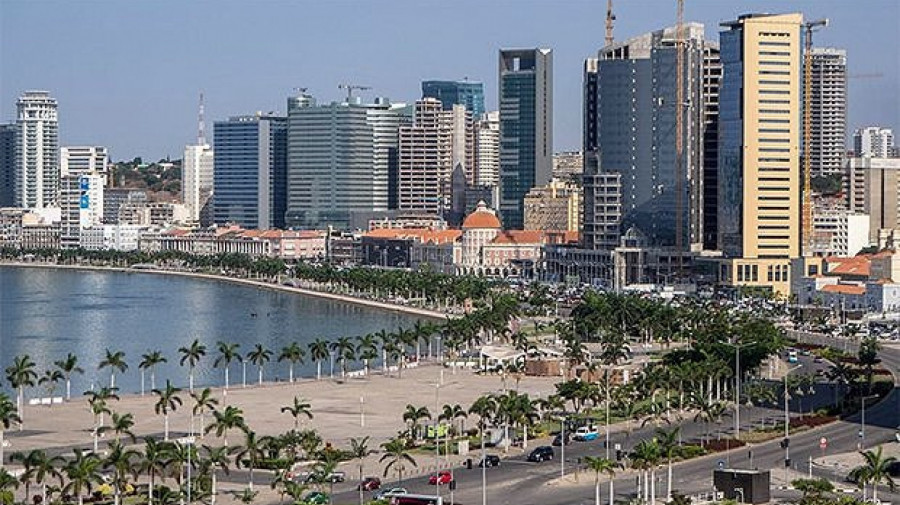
(166, 430)
(597, 490)
(226, 376)
(150, 488)
(244, 374)
(152, 379)
(669, 482)
(611, 492)
(1, 446)
(112, 380)
(191, 380)
(213, 489)
(142, 382)
(251, 477)
(20, 408)
(291, 372)
(652, 486)
(68, 389)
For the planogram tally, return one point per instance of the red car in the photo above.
(441, 478)
(370, 484)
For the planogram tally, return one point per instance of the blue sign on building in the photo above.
(85, 201)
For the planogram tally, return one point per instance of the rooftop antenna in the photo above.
(201, 125)
(610, 17)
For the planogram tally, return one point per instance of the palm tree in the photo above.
(114, 361)
(168, 401)
(298, 409)
(228, 419)
(318, 352)
(21, 374)
(42, 468)
(599, 466)
(451, 413)
(192, 356)
(203, 403)
(366, 350)
(644, 458)
(293, 354)
(668, 445)
(149, 360)
(397, 456)
(707, 412)
(250, 454)
(259, 356)
(8, 486)
(227, 354)
(50, 379)
(123, 462)
(120, 424)
(82, 472)
(69, 366)
(343, 348)
(359, 450)
(98, 401)
(155, 461)
(8, 417)
(874, 470)
(217, 458)
(413, 415)
(386, 340)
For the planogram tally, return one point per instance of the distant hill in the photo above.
(161, 179)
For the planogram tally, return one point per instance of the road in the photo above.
(519, 482)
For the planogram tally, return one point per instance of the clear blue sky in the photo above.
(127, 73)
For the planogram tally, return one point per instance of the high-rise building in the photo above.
(554, 207)
(872, 187)
(467, 93)
(77, 160)
(712, 75)
(81, 205)
(637, 89)
(487, 149)
(759, 148)
(7, 164)
(343, 157)
(602, 215)
(589, 115)
(431, 148)
(36, 176)
(197, 178)
(828, 112)
(526, 127)
(250, 171)
(873, 141)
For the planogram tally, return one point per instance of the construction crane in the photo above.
(301, 90)
(610, 17)
(807, 218)
(679, 135)
(350, 88)
(201, 124)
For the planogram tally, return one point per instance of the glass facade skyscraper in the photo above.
(526, 128)
(450, 93)
(250, 171)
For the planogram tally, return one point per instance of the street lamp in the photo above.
(737, 392)
(787, 422)
(862, 426)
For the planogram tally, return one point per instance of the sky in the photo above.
(128, 73)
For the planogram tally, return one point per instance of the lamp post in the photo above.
(331, 372)
(862, 425)
(787, 422)
(737, 387)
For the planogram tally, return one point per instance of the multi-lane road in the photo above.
(519, 482)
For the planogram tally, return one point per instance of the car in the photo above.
(385, 494)
(587, 433)
(369, 484)
(489, 461)
(540, 454)
(316, 498)
(558, 440)
(440, 478)
(818, 359)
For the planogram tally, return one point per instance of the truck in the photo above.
(587, 433)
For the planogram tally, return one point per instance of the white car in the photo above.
(388, 493)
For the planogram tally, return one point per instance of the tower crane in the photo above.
(350, 88)
(610, 17)
(807, 218)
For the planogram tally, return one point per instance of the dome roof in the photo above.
(482, 217)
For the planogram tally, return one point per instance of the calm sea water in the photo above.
(47, 313)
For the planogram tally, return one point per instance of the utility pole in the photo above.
(807, 220)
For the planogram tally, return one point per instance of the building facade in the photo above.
(431, 149)
(487, 149)
(554, 207)
(37, 170)
(197, 178)
(526, 128)
(81, 206)
(250, 171)
(77, 160)
(343, 158)
(873, 141)
(7, 164)
(839, 232)
(828, 112)
(871, 186)
(759, 149)
(469, 94)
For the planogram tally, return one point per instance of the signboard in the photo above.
(823, 443)
(84, 201)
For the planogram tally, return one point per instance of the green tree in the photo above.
(874, 471)
(115, 361)
(168, 402)
(601, 466)
(123, 463)
(192, 355)
(8, 486)
(217, 458)
(293, 354)
(8, 417)
(82, 472)
(204, 402)
(50, 380)
(20, 375)
(318, 352)
(120, 424)
(397, 457)
(250, 454)
(155, 461)
(300, 408)
(149, 361)
(227, 419)
(359, 450)
(69, 366)
(259, 356)
(413, 415)
(227, 354)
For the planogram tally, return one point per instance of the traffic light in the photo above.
(618, 454)
(453, 485)
(787, 462)
(785, 443)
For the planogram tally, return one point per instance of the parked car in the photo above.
(489, 461)
(316, 498)
(440, 478)
(586, 433)
(385, 494)
(542, 453)
(558, 440)
(369, 484)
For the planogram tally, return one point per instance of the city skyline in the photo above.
(144, 102)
